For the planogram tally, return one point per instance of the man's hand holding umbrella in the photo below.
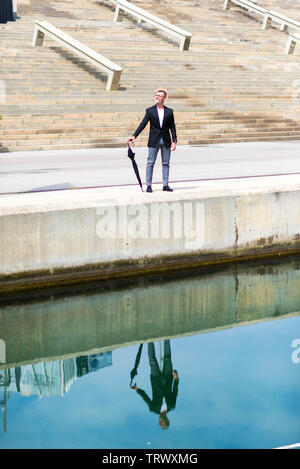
(131, 155)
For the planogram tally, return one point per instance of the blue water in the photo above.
(238, 388)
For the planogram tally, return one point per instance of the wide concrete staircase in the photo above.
(234, 84)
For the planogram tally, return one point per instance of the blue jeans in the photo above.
(165, 158)
(167, 366)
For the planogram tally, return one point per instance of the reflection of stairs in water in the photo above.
(234, 84)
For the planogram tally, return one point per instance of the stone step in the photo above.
(109, 104)
(117, 138)
(46, 110)
(205, 141)
(202, 117)
(183, 128)
(123, 123)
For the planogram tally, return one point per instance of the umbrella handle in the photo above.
(129, 144)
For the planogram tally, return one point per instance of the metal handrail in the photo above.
(143, 15)
(43, 28)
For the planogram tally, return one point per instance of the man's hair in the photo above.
(162, 91)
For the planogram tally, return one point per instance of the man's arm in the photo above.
(174, 389)
(173, 133)
(142, 393)
(140, 127)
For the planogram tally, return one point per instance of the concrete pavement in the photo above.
(66, 169)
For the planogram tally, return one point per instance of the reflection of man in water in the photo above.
(164, 385)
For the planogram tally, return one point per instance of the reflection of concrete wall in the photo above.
(82, 323)
(264, 293)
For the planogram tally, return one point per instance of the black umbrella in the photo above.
(133, 372)
(135, 166)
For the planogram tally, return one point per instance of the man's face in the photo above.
(159, 97)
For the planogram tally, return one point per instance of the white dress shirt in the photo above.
(161, 113)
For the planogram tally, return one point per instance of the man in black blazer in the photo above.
(162, 121)
(164, 385)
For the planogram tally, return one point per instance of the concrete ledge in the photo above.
(82, 235)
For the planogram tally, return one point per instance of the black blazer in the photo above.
(162, 387)
(6, 11)
(156, 133)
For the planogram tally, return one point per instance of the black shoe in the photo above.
(149, 189)
(167, 188)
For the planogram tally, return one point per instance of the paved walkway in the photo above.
(190, 165)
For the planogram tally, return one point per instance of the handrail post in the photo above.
(290, 46)
(38, 37)
(267, 22)
(119, 13)
(283, 27)
(15, 9)
(226, 5)
(185, 43)
(113, 81)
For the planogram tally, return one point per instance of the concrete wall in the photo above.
(68, 236)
